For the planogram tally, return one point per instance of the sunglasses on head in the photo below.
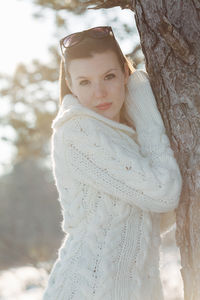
(95, 32)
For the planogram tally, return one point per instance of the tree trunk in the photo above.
(170, 38)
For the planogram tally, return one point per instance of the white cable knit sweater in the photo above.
(118, 188)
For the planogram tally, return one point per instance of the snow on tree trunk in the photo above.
(170, 38)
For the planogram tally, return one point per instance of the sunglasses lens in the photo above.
(71, 40)
(99, 32)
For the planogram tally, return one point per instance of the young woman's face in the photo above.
(98, 80)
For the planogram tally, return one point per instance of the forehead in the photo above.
(99, 63)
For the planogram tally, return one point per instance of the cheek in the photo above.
(84, 97)
(118, 89)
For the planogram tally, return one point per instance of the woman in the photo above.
(116, 174)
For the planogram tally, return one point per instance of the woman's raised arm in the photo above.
(92, 157)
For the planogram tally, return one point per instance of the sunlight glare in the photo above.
(22, 38)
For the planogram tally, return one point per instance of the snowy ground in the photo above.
(27, 283)
(170, 274)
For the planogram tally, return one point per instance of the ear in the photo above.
(126, 72)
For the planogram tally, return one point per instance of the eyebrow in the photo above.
(103, 74)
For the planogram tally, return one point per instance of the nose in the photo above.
(99, 90)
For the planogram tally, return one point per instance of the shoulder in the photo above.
(82, 131)
(83, 126)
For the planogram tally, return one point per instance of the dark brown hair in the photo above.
(86, 49)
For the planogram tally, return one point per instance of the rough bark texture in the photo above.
(170, 39)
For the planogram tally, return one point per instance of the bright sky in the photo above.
(24, 38)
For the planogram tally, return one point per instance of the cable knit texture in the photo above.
(118, 189)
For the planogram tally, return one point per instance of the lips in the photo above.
(104, 105)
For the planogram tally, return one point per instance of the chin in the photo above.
(112, 117)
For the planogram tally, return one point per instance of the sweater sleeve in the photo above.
(142, 110)
(94, 158)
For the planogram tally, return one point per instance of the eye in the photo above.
(110, 76)
(84, 82)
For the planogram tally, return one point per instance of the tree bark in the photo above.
(170, 38)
